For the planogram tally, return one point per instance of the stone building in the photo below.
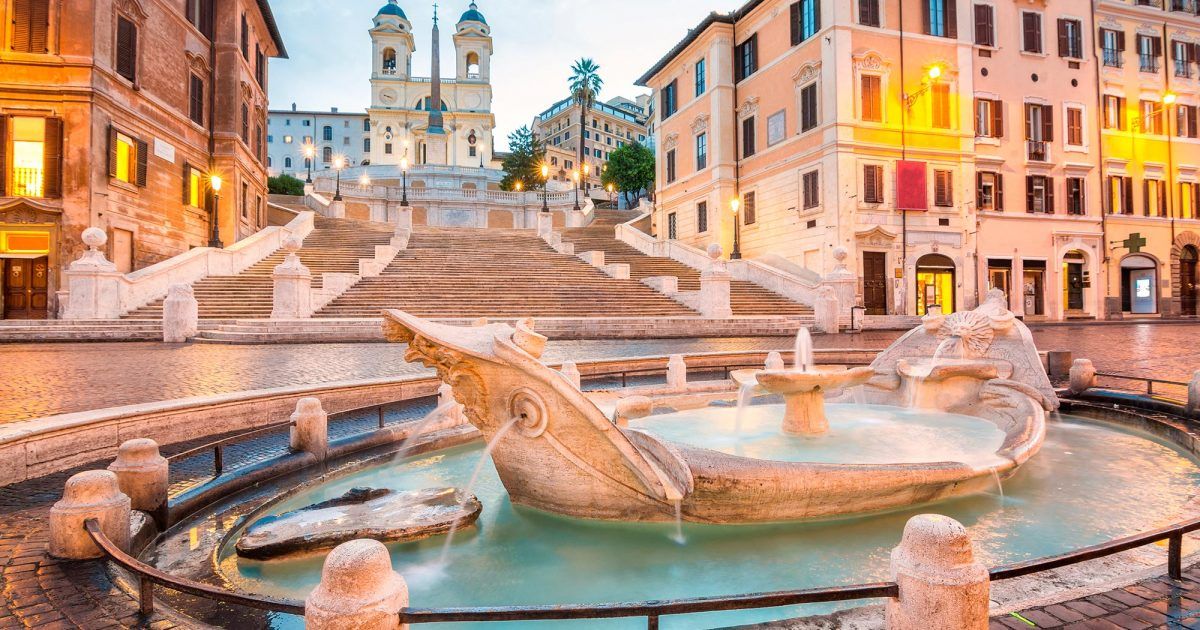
(331, 134)
(113, 113)
(610, 126)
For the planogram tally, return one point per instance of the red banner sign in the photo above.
(912, 187)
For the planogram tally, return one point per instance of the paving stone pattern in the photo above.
(1156, 603)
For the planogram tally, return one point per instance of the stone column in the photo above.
(142, 476)
(310, 428)
(92, 494)
(942, 585)
(571, 372)
(1083, 376)
(714, 287)
(827, 310)
(94, 282)
(181, 314)
(1193, 401)
(358, 590)
(677, 373)
(775, 362)
(843, 282)
(545, 224)
(404, 228)
(292, 297)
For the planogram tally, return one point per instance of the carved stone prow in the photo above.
(554, 449)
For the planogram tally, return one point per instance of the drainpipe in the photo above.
(1104, 248)
(737, 130)
(213, 210)
(1170, 146)
(903, 157)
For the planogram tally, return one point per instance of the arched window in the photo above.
(367, 125)
(327, 155)
(287, 162)
(935, 283)
(327, 133)
(389, 61)
(473, 65)
(426, 104)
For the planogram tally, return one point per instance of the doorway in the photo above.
(935, 283)
(1073, 281)
(1033, 288)
(1188, 280)
(875, 282)
(26, 284)
(1139, 285)
(1000, 277)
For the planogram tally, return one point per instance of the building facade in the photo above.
(113, 114)
(610, 126)
(403, 118)
(330, 134)
(950, 146)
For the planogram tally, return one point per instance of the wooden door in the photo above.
(1074, 286)
(875, 283)
(1188, 280)
(25, 288)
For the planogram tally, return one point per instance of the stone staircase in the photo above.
(495, 273)
(746, 298)
(334, 246)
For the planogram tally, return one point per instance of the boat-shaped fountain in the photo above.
(555, 450)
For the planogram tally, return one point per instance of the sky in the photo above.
(535, 43)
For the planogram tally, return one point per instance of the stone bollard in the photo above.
(827, 310)
(775, 362)
(292, 293)
(92, 494)
(715, 287)
(181, 314)
(1059, 363)
(677, 373)
(93, 281)
(545, 224)
(310, 428)
(142, 476)
(942, 586)
(1083, 376)
(404, 228)
(358, 590)
(632, 408)
(571, 372)
(1193, 401)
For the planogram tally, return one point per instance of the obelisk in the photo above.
(435, 140)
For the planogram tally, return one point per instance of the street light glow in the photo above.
(339, 162)
(935, 72)
(215, 182)
(404, 163)
(365, 180)
(518, 185)
(545, 171)
(1169, 98)
(736, 205)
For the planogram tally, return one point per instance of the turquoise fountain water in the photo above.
(1090, 483)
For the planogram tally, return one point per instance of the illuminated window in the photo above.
(195, 185)
(29, 157)
(125, 153)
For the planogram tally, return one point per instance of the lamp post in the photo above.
(404, 178)
(339, 163)
(364, 180)
(737, 230)
(545, 186)
(310, 153)
(612, 197)
(575, 176)
(214, 238)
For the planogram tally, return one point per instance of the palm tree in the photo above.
(585, 87)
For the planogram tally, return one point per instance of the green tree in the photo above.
(285, 185)
(524, 161)
(630, 171)
(585, 85)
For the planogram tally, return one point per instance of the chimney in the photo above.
(293, 107)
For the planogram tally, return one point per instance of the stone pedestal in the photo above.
(714, 287)
(1193, 401)
(545, 224)
(1083, 376)
(942, 585)
(292, 296)
(358, 590)
(310, 428)
(93, 282)
(843, 281)
(92, 494)
(181, 314)
(142, 476)
(337, 209)
(436, 148)
(571, 372)
(404, 228)
(827, 311)
(677, 373)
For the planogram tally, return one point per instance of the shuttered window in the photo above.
(750, 213)
(940, 104)
(702, 217)
(199, 13)
(670, 166)
(1120, 195)
(52, 158)
(31, 26)
(1075, 126)
(196, 100)
(1031, 32)
(989, 191)
(805, 19)
(1113, 44)
(808, 107)
(811, 184)
(746, 58)
(1075, 196)
(128, 158)
(246, 124)
(1070, 39)
(749, 146)
(985, 25)
(3, 156)
(1039, 122)
(943, 189)
(872, 98)
(245, 38)
(127, 46)
(989, 118)
(1039, 194)
(872, 183)
(940, 18)
(868, 12)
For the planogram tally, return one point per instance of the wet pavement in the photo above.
(48, 379)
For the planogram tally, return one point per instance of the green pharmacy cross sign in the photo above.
(1134, 243)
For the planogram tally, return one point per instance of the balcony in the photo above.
(1183, 69)
(1184, 6)
(1038, 150)
(1113, 58)
(28, 182)
(1158, 4)
(1148, 63)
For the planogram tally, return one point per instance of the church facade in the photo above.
(404, 121)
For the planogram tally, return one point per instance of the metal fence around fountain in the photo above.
(148, 577)
(1149, 384)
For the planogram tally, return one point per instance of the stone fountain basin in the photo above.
(814, 379)
(936, 370)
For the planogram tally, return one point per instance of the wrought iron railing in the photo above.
(28, 182)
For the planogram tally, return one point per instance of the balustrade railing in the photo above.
(28, 182)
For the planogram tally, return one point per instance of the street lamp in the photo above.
(214, 239)
(310, 153)
(612, 198)
(545, 186)
(364, 180)
(404, 177)
(518, 185)
(339, 163)
(737, 230)
(575, 176)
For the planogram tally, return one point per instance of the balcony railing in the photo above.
(1183, 69)
(1185, 6)
(1158, 4)
(28, 182)
(1038, 150)
(1113, 58)
(1148, 63)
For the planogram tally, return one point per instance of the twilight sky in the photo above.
(535, 43)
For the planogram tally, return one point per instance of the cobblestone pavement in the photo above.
(1157, 603)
